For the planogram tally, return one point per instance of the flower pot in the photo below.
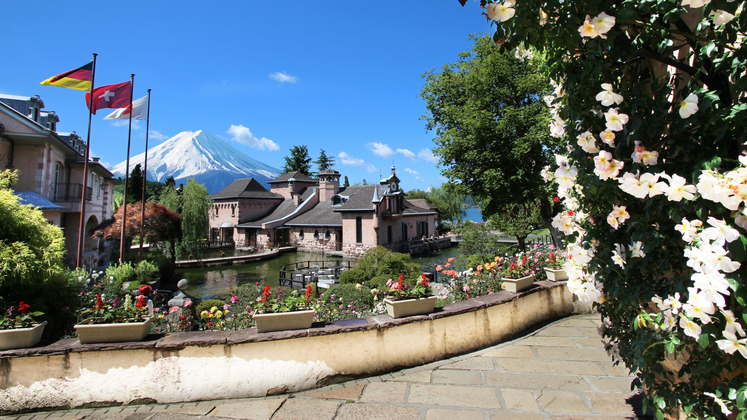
(113, 333)
(408, 307)
(517, 285)
(295, 320)
(19, 338)
(556, 275)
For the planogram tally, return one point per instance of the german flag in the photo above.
(79, 78)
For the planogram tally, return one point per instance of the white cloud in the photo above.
(380, 149)
(126, 123)
(241, 134)
(411, 172)
(419, 179)
(153, 134)
(346, 159)
(408, 154)
(283, 77)
(427, 155)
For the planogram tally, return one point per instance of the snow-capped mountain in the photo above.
(199, 155)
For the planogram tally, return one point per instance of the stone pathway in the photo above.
(560, 371)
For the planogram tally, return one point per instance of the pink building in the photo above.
(51, 172)
(317, 214)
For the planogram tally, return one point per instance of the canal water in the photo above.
(208, 282)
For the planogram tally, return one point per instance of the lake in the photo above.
(473, 215)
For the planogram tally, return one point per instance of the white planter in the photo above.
(409, 307)
(556, 275)
(113, 333)
(517, 285)
(20, 338)
(295, 320)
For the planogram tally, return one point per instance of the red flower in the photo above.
(308, 293)
(570, 213)
(425, 280)
(144, 290)
(24, 308)
(140, 301)
(99, 302)
(266, 293)
(552, 257)
(401, 281)
(556, 199)
(182, 317)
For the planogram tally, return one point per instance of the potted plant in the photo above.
(406, 300)
(19, 329)
(284, 311)
(517, 276)
(554, 267)
(113, 319)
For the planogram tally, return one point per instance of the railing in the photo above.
(69, 191)
(301, 273)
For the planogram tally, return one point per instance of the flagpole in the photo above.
(145, 178)
(81, 225)
(127, 175)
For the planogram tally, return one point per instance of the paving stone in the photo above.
(424, 376)
(256, 409)
(454, 396)
(387, 392)
(456, 377)
(592, 417)
(589, 342)
(537, 381)
(579, 322)
(591, 332)
(548, 341)
(517, 351)
(562, 402)
(349, 393)
(360, 411)
(303, 408)
(503, 415)
(519, 399)
(610, 384)
(176, 416)
(192, 409)
(555, 331)
(442, 414)
(571, 354)
(554, 366)
(474, 363)
(607, 403)
(619, 370)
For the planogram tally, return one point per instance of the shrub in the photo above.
(354, 276)
(117, 274)
(205, 305)
(145, 272)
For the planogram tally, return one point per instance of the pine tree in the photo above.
(298, 160)
(324, 162)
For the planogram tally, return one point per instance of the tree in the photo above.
(135, 185)
(171, 197)
(346, 183)
(195, 211)
(491, 127)
(651, 103)
(324, 161)
(298, 160)
(518, 220)
(450, 203)
(477, 239)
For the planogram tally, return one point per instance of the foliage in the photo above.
(195, 222)
(347, 301)
(160, 224)
(32, 268)
(171, 197)
(174, 319)
(353, 276)
(205, 305)
(282, 300)
(298, 160)
(346, 182)
(517, 268)
(491, 126)
(401, 291)
(19, 317)
(477, 239)
(145, 271)
(450, 203)
(135, 185)
(106, 304)
(117, 274)
(651, 103)
(380, 262)
(518, 220)
(323, 161)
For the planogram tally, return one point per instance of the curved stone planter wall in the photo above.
(232, 364)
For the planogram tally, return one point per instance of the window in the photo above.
(216, 211)
(300, 235)
(233, 211)
(358, 230)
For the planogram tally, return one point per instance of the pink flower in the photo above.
(226, 307)
(234, 299)
(188, 303)
(174, 309)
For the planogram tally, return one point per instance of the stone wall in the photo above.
(196, 366)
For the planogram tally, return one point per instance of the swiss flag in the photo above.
(110, 96)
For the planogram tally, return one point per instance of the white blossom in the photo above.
(608, 97)
(689, 106)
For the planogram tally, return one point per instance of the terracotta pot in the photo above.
(113, 333)
(409, 307)
(556, 275)
(295, 320)
(19, 338)
(517, 285)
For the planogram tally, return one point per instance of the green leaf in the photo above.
(704, 340)
(738, 249)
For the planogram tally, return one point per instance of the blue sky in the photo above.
(264, 76)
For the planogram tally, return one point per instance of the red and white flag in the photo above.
(110, 96)
(140, 112)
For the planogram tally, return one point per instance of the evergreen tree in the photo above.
(298, 160)
(324, 161)
(346, 183)
(135, 185)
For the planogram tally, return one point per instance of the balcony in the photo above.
(67, 192)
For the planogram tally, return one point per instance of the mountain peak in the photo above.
(200, 155)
